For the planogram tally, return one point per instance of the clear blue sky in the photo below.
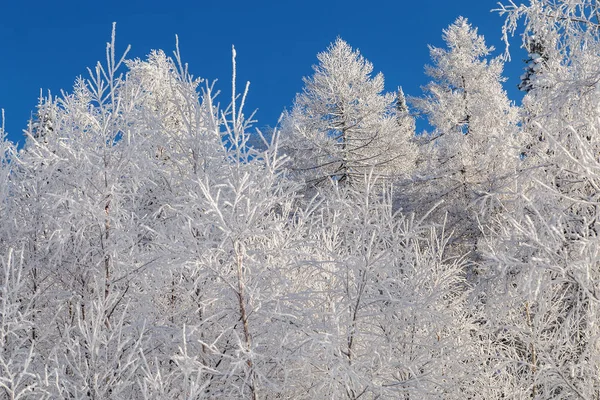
(47, 44)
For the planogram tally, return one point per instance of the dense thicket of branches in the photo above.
(149, 251)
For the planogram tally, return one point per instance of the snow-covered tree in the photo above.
(19, 377)
(7, 150)
(42, 123)
(470, 155)
(542, 258)
(343, 126)
(536, 59)
(392, 322)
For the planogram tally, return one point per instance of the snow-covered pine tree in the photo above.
(403, 117)
(470, 155)
(43, 121)
(343, 126)
(536, 59)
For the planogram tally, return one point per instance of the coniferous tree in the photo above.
(343, 126)
(42, 123)
(469, 157)
(535, 62)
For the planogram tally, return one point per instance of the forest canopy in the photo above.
(155, 245)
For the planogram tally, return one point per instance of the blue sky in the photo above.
(47, 44)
